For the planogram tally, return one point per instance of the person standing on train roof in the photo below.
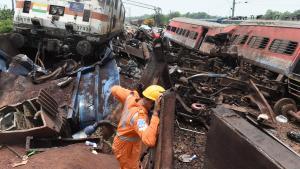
(134, 127)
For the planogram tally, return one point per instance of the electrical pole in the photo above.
(13, 5)
(233, 8)
(234, 3)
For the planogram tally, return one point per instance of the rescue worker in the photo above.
(134, 127)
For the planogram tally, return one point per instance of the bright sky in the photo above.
(217, 7)
(212, 7)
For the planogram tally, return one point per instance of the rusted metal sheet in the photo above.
(157, 68)
(47, 103)
(235, 143)
(137, 52)
(164, 149)
(32, 121)
(15, 89)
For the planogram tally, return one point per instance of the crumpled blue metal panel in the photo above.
(86, 96)
(3, 59)
(92, 100)
(109, 77)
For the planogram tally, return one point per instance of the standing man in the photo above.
(134, 127)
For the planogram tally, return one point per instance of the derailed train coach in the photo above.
(269, 47)
(273, 45)
(76, 25)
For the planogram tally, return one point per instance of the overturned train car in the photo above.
(63, 26)
(274, 46)
(266, 50)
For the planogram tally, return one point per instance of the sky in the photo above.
(212, 7)
(217, 7)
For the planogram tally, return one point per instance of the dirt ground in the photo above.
(191, 144)
(283, 129)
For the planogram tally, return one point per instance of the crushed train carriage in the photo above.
(269, 45)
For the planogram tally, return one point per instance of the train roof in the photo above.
(198, 22)
(271, 23)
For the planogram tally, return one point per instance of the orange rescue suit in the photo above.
(133, 129)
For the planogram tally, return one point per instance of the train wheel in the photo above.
(283, 106)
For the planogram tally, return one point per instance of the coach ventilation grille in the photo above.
(294, 81)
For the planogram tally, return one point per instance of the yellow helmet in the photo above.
(153, 92)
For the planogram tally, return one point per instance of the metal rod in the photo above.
(185, 129)
(141, 3)
(14, 151)
(137, 5)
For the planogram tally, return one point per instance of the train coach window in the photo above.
(240, 40)
(173, 29)
(210, 39)
(234, 39)
(243, 39)
(191, 35)
(283, 46)
(168, 27)
(264, 42)
(251, 41)
(180, 31)
(187, 33)
(258, 42)
(183, 32)
(196, 35)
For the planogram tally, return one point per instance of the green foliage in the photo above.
(6, 25)
(198, 15)
(164, 19)
(273, 15)
(6, 20)
(172, 15)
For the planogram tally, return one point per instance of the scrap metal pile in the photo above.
(47, 103)
(204, 82)
(53, 104)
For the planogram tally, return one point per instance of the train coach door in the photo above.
(201, 38)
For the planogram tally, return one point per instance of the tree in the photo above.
(285, 16)
(296, 15)
(174, 15)
(271, 15)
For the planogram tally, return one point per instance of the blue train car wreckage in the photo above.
(59, 105)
